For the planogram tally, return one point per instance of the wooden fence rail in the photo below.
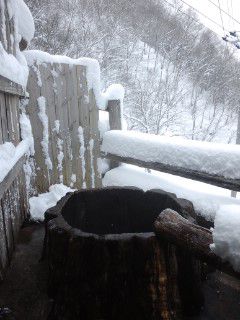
(220, 181)
(182, 171)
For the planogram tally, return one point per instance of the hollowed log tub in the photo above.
(105, 261)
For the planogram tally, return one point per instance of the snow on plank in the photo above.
(213, 163)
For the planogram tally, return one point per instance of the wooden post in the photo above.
(115, 118)
(115, 122)
(234, 193)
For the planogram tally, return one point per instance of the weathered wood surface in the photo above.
(11, 176)
(13, 203)
(192, 238)
(220, 181)
(115, 122)
(112, 266)
(115, 117)
(11, 87)
(70, 109)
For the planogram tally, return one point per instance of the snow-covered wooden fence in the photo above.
(203, 161)
(13, 204)
(64, 119)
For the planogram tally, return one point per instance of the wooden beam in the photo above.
(192, 238)
(115, 122)
(10, 87)
(115, 119)
(220, 181)
(11, 176)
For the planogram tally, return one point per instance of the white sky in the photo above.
(232, 7)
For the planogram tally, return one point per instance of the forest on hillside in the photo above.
(180, 78)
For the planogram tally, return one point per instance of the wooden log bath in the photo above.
(106, 262)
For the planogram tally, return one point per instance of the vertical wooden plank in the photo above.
(66, 109)
(47, 91)
(114, 109)
(3, 117)
(115, 122)
(12, 117)
(7, 26)
(1, 128)
(74, 124)
(94, 140)
(15, 213)
(3, 245)
(3, 25)
(62, 115)
(8, 224)
(34, 86)
(83, 111)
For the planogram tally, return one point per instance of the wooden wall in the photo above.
(13, 202)
(73, 159)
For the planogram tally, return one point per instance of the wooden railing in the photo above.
(199, 175)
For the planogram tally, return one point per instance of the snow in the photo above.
(26, 132)
(102, 165)
(103, 122)
(44, 201)
(15, 67)
(115, 92)
(92, 69)
(226, 235)
(9, 153)
(36, 57)
(82, 150)
(45, 141)
(60, 156)
(91, 147)
(24, 19)
(26, 135)
(214, 158)
(9, 156)
(206, 199)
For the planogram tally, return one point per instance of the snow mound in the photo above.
(9, 156)
(103, 122)
(213, 158)
(39, 204)
(14, 67)
(25, 22)
(226, 235)
(115, 92)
